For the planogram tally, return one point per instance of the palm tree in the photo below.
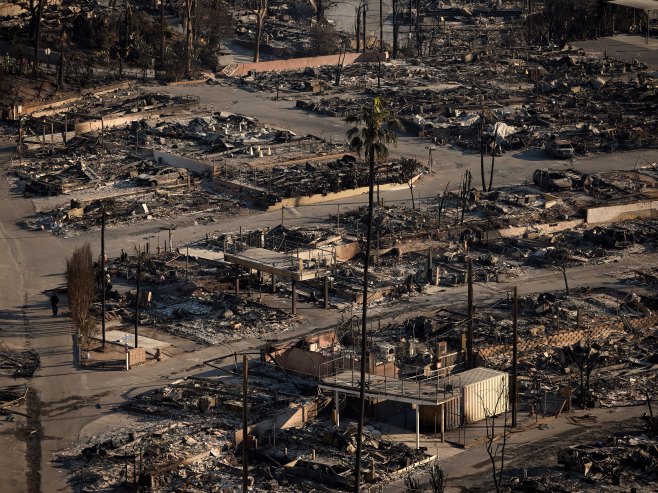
(374, 128)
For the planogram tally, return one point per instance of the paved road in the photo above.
(627, 47)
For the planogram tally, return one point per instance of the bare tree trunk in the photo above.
(364, 321)
(413, 202)
(566, 282)
(419, 43)
(381, 26)
(162, 33)
(396, 29)
(259, 33)
(409, 46)
(188, 37)
(358, 29)
(365, 38)
(37, 37)
(32, 9)
(319, 12)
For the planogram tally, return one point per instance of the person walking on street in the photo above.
(54, 301)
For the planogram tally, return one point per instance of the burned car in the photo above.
(163, 177)
(560, 149)
(553, 180)
(611, 238)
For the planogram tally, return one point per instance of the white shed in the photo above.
(485, 392)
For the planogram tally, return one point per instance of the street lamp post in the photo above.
(430, 159)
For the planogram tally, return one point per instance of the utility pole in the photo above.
(139, 269)
(103, 274)
(245, 457)
(471, 363)
(515, 375)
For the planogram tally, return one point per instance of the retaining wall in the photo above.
(238, 69)
(624, 212)
(193, 165)
(318, 197)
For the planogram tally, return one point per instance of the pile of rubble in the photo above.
(573, 94)
(579, 342)
(195, 205)
(19, 363)
(212, 318)
(189, 436)
(604, 466)
(267, 184)
(290, 31)
(190, 298)
(10, 394)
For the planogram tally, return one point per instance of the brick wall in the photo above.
(569, 337)
(136, 356)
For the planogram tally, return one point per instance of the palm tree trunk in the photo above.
(364, 314)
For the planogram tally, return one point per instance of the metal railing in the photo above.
(438, 382)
